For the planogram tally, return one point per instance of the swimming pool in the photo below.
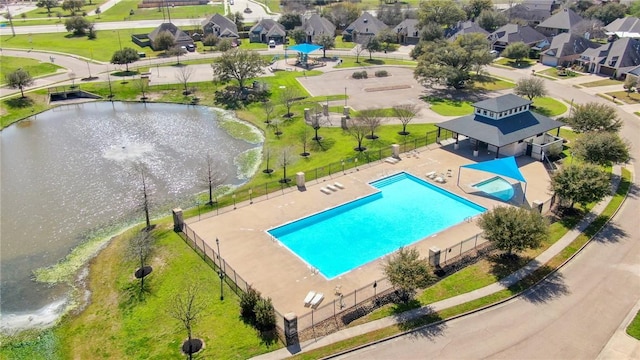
(405, 210)
(497, 187)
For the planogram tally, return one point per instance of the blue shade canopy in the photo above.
(504, 166)
(305, 48)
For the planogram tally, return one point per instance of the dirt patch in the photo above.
(386, 88)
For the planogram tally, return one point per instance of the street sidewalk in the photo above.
(617, 347)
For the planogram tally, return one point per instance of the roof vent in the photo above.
(366, 20)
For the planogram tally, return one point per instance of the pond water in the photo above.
(68, 176)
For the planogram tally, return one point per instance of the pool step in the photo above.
(390, 180)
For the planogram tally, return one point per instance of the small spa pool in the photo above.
(496, 187)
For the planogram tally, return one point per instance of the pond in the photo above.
(68, 178)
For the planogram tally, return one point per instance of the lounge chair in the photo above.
(310, 296)
(316, 299)
(431, 174)
(331, 187)
(338, 185)
(440, 180)
(325, 190)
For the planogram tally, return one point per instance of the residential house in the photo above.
(507, 126)
(624, 27)
(512, 33)
(364, 28)
(464, 27)
(561, 22)
(614, 59)
(408, 32)
(181, 38)
(316, 25)
(565, 48)
(533, 12)
(266, 30)
(220, 26)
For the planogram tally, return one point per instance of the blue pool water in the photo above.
(497, 187)
(405, 210)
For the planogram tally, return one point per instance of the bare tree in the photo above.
(405, 113)
(358, 50)
(286, 158)
(267, 151)
(212, 177)
(183, 75)
(140, 248)
(316, 121)
(268, 108)
(276, 127)
(372, 118)
(288, 96)
(176, 51)
(187, 307)
(143, 86)
(304, 136)
(142, 172)
(359, 130)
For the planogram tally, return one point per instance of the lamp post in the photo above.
(342, 161)
(250, 196)
(234, 201)
(220, 272)
(375, 294)
(345, 96)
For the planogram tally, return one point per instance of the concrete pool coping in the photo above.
(279, 274)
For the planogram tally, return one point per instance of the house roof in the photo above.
(464, 27)
(178, 35)
(530, 14)
(502, 103)
(511, 33)
(269, 27)
(624, 54)
(227, 27)
(624, 27)
(317, 25)
(567, 44)
(502, 132)
(408, 27)
(365, 24)
(565, 19)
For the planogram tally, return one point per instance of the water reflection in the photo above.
(68, 174)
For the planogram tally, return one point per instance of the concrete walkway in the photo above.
(620, 346)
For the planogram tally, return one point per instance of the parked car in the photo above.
(191, 48)
(272, 43)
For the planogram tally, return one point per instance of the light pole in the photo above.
(220, 272)
(342, 161)
(345, 96)
(375, 294)
(234, 201)
(250, 196)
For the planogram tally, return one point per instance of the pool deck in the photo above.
(279, 274)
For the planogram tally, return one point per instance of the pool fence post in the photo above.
(355, 297)
(461, 242)
(313, 325)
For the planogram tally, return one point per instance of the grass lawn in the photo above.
(603, 82)
(342, 44)
(101, 48)
(522, 64)
(626, 97)
(634, 328)
(35, 68)
(364, 61)
(448, 107)
(553, 72)
(489, 83)
(548, 106)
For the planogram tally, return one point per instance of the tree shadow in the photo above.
(269, 337)
(503, 265)
(541, 110)
(551, 288)
(423, 323)
(323, 144)
(19, 103)
(612, 233)
(375, 61)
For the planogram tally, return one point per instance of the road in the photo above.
(570, 316)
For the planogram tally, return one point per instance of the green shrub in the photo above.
(381, 73)
(265, 315)
(359, 75)
(248, 301)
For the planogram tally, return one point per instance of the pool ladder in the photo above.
(468, 219)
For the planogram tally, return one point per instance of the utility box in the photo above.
(434, 256)
(178, 222)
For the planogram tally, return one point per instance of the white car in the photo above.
(272, 43)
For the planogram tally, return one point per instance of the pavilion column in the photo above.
(558, 132)
(475, 148)
(438, 136)
(456, 146)
(497, 151)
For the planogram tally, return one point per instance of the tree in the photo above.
(602, 147)
(164, 41)
(445, 13)
(516, 51)
(268, 108)
(187, 307)
(475, 7)
(47, 4)
(634, 9)
(358, 49)
(212, 178)
(594, 117)
(408, 272)
(286, 158)
(390, 14)
(449, 63)
(316, 122)
(491, 20)
(290, 20)
(607, 12)
(372, 119)
(210, 40)
(372, 45)
(298, 36)
(224, 45)
(530, 87)
(358, 129)
(98, 12)
(581, 184)
(327, 41)
(139, 249)
(304, 136)
(176, 51)
(238, 64)
(145, 203)
(125, 56)
(405, 113)
(386, 37)
(288, 96)
(265, 315)
(248, 302)
(629, 84)
(342, 14)
(143, 86)
(237, 19)
(19, 79)
(77, 24)
(183, 75)
(513, 229)
(72, 5)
